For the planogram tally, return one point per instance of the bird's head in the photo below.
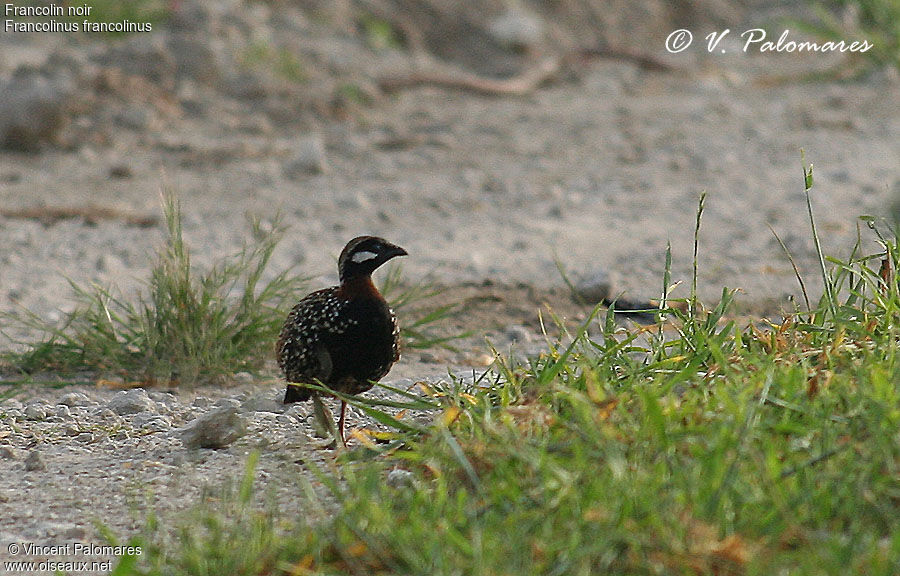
(362, 255)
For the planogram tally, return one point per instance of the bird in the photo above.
(345, 337)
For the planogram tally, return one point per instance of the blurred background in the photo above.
(494, 139)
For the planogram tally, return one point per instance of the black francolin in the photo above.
(346, 336)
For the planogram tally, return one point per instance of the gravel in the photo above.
(61, 472)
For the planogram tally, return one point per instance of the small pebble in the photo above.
(73, 399)
(263, 402)
(74, 533)
(32, 108)
(35, 412)
(595, 287)
(151, 422)
(34, 461)
(201, 402)
(161, 397)
(107, 416)
(518, 333)
(133, 117)
(288, 420)
(517, 28)
(131, 402)
(399, 478)
(308, 159)
(227, 403)
(120, 171)
(215, 429)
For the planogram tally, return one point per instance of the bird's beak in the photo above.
(393, 251)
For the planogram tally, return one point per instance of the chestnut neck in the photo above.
(359, 287)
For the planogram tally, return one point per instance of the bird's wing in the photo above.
(301, 352)
(396, 335)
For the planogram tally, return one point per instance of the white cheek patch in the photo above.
(363, 256)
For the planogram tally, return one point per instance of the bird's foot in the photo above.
(323, 424)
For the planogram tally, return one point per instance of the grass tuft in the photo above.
(186, 327)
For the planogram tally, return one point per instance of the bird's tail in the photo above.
(296, 394)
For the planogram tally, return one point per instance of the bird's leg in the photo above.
(341, 422)
(324, 419)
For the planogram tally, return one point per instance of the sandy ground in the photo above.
(599, 170)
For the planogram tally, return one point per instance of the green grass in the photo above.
(693, 447)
